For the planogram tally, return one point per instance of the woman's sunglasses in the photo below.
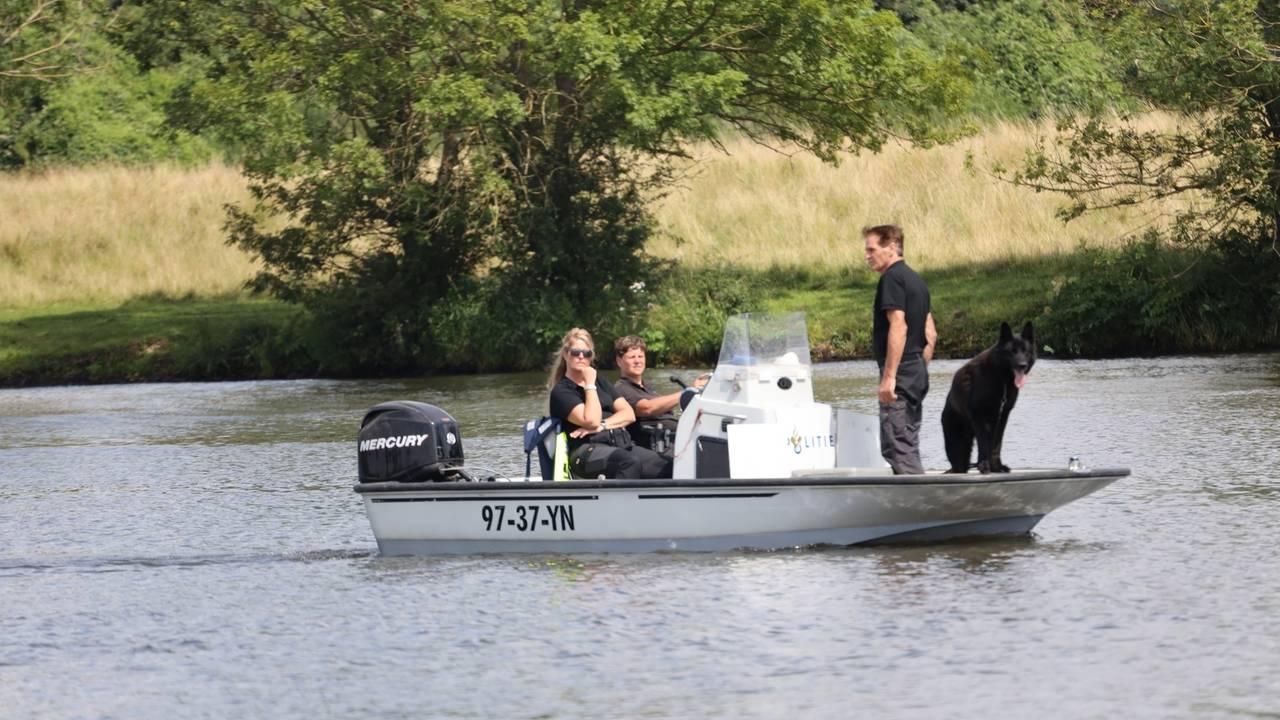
(580, 353)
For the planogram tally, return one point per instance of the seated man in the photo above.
(655, 424)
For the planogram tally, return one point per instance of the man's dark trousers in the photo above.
(900, 420)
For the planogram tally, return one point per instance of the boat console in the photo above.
(757, 417)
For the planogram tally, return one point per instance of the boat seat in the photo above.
(544, 437)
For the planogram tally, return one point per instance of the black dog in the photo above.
(982, 395)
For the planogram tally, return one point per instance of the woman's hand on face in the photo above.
(589, 375)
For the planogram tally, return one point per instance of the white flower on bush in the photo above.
(637, 286)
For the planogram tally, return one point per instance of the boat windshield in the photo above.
(765, 339)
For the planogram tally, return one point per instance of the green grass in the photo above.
(150, 338)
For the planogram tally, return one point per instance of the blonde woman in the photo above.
(596, 418)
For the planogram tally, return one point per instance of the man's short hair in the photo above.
(886, 235)
(626, 344)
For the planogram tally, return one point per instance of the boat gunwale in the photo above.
(816, 480)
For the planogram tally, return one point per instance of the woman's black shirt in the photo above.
(567, 394)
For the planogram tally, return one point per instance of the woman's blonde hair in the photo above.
(558, 363)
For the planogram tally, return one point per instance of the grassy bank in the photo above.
(969, 303)
(760, 209)
(232, 337)
(115, 274)
(149, 338)
(108, 234)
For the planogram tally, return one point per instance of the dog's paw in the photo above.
(1002, 468)
(984, 467)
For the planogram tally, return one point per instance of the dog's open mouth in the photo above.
(1019, 378)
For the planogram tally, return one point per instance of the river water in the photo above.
(195, 551)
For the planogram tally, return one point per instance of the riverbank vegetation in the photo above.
(124, 273)
(620, 166)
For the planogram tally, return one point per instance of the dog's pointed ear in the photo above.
(1029, 333)
(1006, 332)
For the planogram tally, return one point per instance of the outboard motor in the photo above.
(409, 441)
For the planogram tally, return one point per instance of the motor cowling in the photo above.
(408, 441)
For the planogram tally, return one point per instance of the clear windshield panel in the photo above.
(765, 339)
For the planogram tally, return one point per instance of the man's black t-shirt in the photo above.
(567, 394)
(633, 394)
(900, 288)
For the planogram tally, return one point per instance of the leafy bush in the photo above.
(690, 309)
(485, 325)
(109, 112)
(1027, 57)
(1150, 297)
(263, 348)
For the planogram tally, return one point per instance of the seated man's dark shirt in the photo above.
(633, 393)
(567, 394)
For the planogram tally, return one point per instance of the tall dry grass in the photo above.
(105, 234)
(759, 208)
(110, 233)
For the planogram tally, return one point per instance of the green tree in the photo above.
(70, 93)
(108, 111)
(1213, 64)
(1027, 57)
(404, 153)
(38, 44)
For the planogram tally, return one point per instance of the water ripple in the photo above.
(195, 550)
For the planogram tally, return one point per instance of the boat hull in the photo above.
(713, 515)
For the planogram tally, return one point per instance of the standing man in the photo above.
(904, 338)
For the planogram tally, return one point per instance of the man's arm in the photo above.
(893, 355)
(930, 337)
(649, 407)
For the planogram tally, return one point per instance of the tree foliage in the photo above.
(399, 150)
(110, 111)
(1214, 65)
(1027, 57)
(38, 45)
(31, 36)
(72, 92)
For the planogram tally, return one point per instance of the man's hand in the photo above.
(888, 390)
(581, 432)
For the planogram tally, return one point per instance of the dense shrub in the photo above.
(687, 319)
(108, 112)
(1149, 297)
(486, 325)
(1027, 57)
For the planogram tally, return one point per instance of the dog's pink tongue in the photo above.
(1019, 379)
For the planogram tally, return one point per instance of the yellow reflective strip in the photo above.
(561, 461)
